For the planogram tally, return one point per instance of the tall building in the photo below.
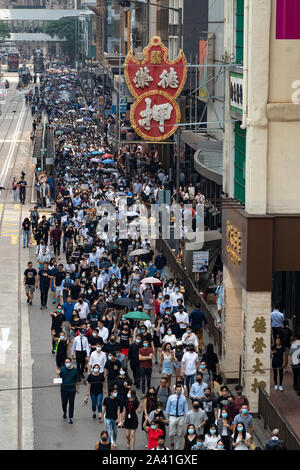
(261, 222)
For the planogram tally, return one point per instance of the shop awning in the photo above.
(209, 163)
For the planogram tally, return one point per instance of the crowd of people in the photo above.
(117, 310)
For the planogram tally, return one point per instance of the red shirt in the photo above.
(153, 436)
(148, 362)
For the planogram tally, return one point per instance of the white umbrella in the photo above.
(138, 252)
(151, 280)
(132, 214)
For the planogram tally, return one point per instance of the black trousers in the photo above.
(296, 378)
(80, 361)
(44, 295)
(136, 373)
(68, 397)
(56, 246)
(22, 195)
(146, 372)
(280, 371)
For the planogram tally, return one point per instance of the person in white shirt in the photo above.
(190, 338)
(102, 331)
(82, 308)
(182, 318)
(169, 289)
(169, 338)
(81, 351)
(189, 366)
(175, 296)
(212, 438)
(98, 357)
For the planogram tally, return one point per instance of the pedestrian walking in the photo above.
(176, 410)
(22, 184)
(277, 363)
(69, 387)
(145, 358)
(277, 318)
(103, 443)
(44, 277)
(30, 282)
(81, 352)
(14, 187)
(94, 389)
(111, 415)
(129, 417)
(189, 366)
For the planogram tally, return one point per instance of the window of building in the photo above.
(239, 31)
(239, 162)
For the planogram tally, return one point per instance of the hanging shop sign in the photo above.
(155, 82)
(200, 261)
(236, 93)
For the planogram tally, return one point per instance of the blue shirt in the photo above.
(277, 319)
(197, 390)
(172, 405)
(116, 271)
(164, 305)
(68, 310)
(219, 292)
(196, 319)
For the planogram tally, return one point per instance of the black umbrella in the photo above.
(125, 302)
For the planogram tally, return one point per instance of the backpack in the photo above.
(168, 388)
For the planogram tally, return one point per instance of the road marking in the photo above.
(17, 207)
(14, 239)
(4, 345)
(12, 147)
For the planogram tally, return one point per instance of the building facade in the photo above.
(261, 221)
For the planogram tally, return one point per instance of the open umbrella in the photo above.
(109, 161)
(59, 132)
(109, 170)
(108, 155)
(119, 193)
(95, 160)
(96, 152)
(125, 302)
(137, 315)
(138, 252)
(151, 280)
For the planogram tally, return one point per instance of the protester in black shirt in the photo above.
(111, 370)
(111, 411)
(30, 282)
(44, 278)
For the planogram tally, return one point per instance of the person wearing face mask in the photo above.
(199, 443)
(159, 417)
(160, 444)
(189, 338)
(190, 438)
(169, 289)
(82, 308)
(102, 331)
(224, 426)
(245, 418)
(103, 443)
(189, 366)
(129, 417)
(81, 351)
(58, 324)
(197, 417)
(198, 387)
(182, 318)
(145, 358)
(94, 388)
(62, 349)
(210, 406)
(241, 439)
(69, 387)
(239, 400)
(157, 303)
(207, 375)
(176, 410)
(175, 296)
(111, 415)
(111, 370)
(211, 438)
(111, 345)
(98, 357)
(133, 358)
(167, 360)
(153, 432)
(123, 384)
(169, 337)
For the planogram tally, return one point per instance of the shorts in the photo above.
(53, 289)
(30, 289)
(177, 365)
(59, 291)
(125, 351)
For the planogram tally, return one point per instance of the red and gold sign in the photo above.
(156, 82)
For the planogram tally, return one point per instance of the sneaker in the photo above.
(27, 300)
(94, 415)
(281, 388)
(30, 303)
(54, 301)
(71, 421)
(64, 416)
(41, 307)
(276, 387)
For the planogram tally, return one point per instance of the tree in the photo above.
(4, 33)
(65, 28)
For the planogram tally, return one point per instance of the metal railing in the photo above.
(272, 419)
(192, 294)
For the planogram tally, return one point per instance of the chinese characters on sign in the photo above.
(234, 243)
(259, 326)
(155, 82)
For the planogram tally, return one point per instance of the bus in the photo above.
(38, 61)
(13, 61)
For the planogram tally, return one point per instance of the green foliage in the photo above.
(4, 33)
(65, 28)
